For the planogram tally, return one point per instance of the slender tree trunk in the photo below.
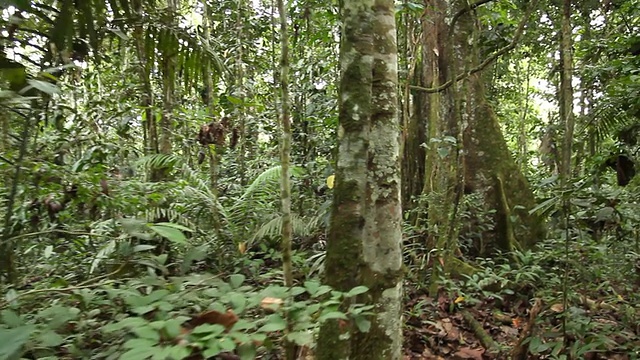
(144, 69)
(285, 160)
(7, 245)
(213, 153)
(566, 91)
(169, 53)
(364, 243)
(241, 92)
(523, 135)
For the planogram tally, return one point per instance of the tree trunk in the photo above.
(169, 53)
(484, 165)
(285, 160)
(566, 92)
(213, 153)
(364, 243)
(144, 69)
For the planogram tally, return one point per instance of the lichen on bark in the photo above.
(364, 243)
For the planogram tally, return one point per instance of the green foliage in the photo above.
(147, 317)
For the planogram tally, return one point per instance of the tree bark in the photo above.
(146, 101)
(461, 112)
(285, 160)
(364, 244)
(168, 60)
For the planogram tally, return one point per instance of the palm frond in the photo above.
(160, 161)
(273, 228)
(605, 120)
(268, 179)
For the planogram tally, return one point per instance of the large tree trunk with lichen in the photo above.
(467, 154)
(364, 244)
(490, 169)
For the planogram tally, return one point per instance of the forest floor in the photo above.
(448, 328)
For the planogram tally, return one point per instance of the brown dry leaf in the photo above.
(558, 308)
(517, 322)
(469, 353)
(509, 331)
(454, 334)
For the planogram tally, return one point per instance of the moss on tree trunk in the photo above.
(365, 236)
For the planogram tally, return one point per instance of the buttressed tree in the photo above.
(364, 245)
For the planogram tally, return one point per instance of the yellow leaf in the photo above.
(459, 299)
(242, 247)
(330, 181)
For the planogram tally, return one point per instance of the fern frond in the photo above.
(273, 228)
(269, 177)
(160, 161)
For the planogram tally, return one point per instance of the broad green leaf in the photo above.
(209, 329)
(301, 338)
(443, 152)
(312, 287)
(363, 324)
(173, 327)
(139, 343)
(13, 340)
(50, 339)
(356, 291)
(139, 248)
(157, 295)
(172, 234)
(297, 290)
(147, 332)
(178, 352)
(332, 315)
(11, 319)
(238, 301)
(212, 349)
(227, 344)
(247, 351)
(129, 322)
(274, 322)
(234, 100)
(606, 213)
(141, 352)
(323, 289)
(141, 310)
(45, 87)
(236, 280)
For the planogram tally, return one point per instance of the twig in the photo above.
(79, 233)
